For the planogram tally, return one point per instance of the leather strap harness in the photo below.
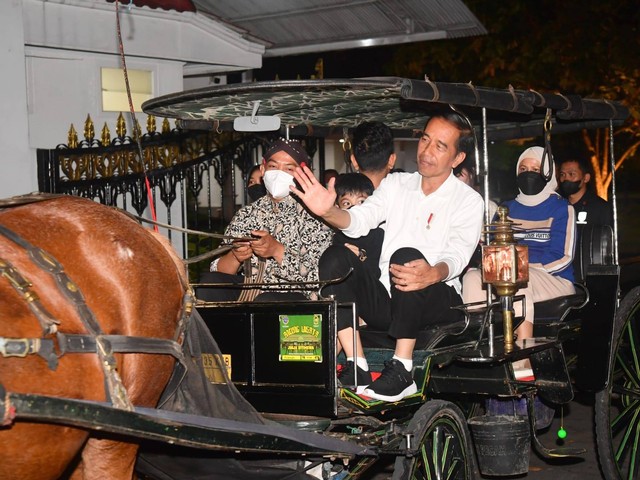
(54, 344)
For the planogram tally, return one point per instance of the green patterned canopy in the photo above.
(323, 107)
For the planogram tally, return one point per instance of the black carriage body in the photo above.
(250, 336)
(453, 361)
(452, 364)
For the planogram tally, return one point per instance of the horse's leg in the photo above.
(145, 376)
(106, 459)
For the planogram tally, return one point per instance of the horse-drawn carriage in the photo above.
(586, 340)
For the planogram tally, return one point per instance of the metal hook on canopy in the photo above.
(434, 87)
(254, 111)
(286, 132)
(514, 97)
(346, 141)
(475, 93)
(547, 154)
(346, 149)
(547, 122)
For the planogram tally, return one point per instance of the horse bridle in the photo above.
(95, 342)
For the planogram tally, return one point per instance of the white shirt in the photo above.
(444, 226)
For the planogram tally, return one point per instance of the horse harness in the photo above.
(53, 344)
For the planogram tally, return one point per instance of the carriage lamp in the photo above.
(505, 266)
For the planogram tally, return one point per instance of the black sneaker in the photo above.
(347, 378)
(394, 383)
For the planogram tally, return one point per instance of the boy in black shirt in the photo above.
(352, 189)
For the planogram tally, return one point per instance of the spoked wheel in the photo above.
(618, 406)
(440, 432)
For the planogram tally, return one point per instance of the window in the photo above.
(114, 90)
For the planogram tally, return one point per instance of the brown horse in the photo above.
(133, 285)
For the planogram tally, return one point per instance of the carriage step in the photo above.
(558, 452)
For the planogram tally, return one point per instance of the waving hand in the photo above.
(318, 199)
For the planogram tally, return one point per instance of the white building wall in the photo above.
(17, 163)
(90, 26)
(51, 55)
(65, 86)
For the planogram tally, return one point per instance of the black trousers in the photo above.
(403, 314)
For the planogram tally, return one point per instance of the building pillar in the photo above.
(17, 159)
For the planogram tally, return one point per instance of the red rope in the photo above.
(133, 117)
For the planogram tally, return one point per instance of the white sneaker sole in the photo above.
(361, 389)
(410, 390)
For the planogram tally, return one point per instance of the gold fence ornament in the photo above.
(121, 126)
(89, 132)
(106, 135)
(151, 124)
(100, 160)
(166, 127)
(72, 137)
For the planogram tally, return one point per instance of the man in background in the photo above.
(573, 181)
(591, 210)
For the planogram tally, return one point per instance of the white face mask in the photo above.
(277, 183)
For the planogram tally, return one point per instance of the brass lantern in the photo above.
(505, 266)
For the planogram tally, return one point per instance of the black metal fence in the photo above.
(180, 167)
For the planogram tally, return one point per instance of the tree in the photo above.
(627, 89)
(585, 47)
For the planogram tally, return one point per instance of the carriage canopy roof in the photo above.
(324, 107)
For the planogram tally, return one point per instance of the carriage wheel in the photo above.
(444, 445)
(618, 406)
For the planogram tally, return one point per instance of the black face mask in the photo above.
(569, 188)
(531, 183)
(256, 191)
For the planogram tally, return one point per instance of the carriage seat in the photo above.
(594, 247)
(552, 310)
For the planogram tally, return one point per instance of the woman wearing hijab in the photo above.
(546, 223)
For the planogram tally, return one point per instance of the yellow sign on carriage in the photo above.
(300, 338)
(215, 365)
